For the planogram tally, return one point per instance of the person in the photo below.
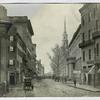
(74, 82)
(65, 79)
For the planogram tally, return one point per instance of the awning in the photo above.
(92, 70)
(98, 71)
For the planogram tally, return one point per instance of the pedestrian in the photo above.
(65, 79)
(74, 82)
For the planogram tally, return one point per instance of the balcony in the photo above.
(96, 34)
(71, 60)
(86, 43)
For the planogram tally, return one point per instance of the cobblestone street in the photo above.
(50, 88)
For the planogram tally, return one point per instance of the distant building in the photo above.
(90, 43)
(16, 48)
(74, 57)
(39, 68)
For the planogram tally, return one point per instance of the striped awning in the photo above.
(98, 71)
(92, 70)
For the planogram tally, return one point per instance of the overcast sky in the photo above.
(48, 24)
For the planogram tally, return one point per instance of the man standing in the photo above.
(74, 82)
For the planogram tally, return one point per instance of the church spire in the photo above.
(65, 25)
(65, 36)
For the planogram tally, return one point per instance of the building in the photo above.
(74, 56)
(17, 52)
(4, 27)
(39, 68)
(90, 43)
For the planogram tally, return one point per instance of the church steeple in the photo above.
(65, 25)
(65, 36)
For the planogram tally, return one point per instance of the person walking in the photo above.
(74, 82)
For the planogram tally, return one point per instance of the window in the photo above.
(83, 37)
(97, 49)
(74, 66)
(11, 48)
(94, 12)
(89, 17)
(89, 54)
(89, 34)
(97, 24)
(89, 66)
(11, 62)
(83, 21)
(11, 38)
(83, 55)
(84, 67)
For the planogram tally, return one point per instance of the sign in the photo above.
(76, 71)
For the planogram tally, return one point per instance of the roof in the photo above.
(6, 23)
(75, 34)
(22, 19)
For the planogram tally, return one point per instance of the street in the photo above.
(50, 88)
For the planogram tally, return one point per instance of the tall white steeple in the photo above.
(65, 35)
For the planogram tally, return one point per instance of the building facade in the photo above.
(39, 68)
(17, 52)
(90, 46)
(74, 56)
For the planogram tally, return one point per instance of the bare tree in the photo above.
(57, 59)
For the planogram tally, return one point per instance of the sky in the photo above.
(48, 24)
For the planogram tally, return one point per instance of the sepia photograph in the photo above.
(49, 50)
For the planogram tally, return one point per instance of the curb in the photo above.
(84, 89)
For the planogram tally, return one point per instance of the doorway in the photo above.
(12, 79)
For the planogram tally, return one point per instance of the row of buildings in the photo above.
(83, 62)
(17, 52)
(39, 68)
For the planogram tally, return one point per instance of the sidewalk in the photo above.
(83, 87)
(15, 91)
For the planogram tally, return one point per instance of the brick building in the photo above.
(16, 48)
(90, 44)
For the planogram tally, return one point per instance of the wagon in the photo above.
(28, 83)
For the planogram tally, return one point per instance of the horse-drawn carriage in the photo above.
(28, 83)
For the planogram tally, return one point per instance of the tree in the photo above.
(57, 59)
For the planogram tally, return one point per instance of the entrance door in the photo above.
(12, 79)
(89, 79)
